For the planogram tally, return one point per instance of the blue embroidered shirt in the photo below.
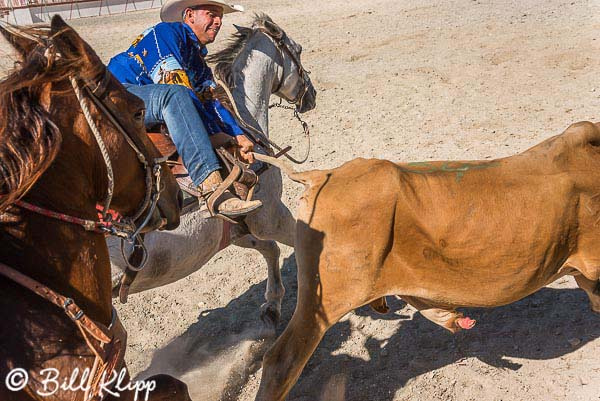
(170, 53)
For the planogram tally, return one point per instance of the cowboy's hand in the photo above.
(246, 148)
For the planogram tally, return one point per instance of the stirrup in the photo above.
(211, 198)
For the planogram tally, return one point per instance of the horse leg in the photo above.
(158, 387)
(284, 361)
(380, 305)
(592, 288)
(273, 221)
(270, 311)
(168, 388)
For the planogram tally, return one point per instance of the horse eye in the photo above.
(140, 115)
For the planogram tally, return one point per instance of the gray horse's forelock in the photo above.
(237, 41)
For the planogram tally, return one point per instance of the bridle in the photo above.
(256, 134)
(97, 93)
(282, 47)
(124, 227)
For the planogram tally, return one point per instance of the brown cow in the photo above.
(441, 235)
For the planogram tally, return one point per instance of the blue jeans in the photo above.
(172, 105)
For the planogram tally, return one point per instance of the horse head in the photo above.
(88, 140)
(265, 60)
(294, 84)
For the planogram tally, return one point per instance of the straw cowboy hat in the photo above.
(172, 10)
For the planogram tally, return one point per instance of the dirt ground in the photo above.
(408, 82)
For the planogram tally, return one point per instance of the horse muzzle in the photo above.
(168, 219)
(308, 100)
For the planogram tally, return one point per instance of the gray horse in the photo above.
(260, 60)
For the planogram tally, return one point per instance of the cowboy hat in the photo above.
(172, 10)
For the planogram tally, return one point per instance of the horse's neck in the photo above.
(255, 73)
(60, 255)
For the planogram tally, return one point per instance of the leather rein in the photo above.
(106, 343)
(152, 170)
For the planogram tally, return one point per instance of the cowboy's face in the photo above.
(205, 21)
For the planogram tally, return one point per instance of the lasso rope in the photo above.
(101, 145)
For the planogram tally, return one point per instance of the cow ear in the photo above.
(73, 48)
(20, 42)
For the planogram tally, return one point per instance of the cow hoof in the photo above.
(465, 323)
(270, 315)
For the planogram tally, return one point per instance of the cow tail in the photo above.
(304, 177)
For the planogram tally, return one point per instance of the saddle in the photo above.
(237, 175)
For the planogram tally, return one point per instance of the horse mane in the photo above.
(29, 140)
(237, 41)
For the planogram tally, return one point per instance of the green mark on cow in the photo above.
(460, 168)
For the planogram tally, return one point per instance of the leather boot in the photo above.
(227, 204)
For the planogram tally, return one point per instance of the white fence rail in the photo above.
(24, 12)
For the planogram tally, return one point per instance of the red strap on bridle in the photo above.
(100, 226)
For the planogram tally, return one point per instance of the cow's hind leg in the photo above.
(592, 288)
(271, 309)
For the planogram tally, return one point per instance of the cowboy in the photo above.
(165, 67)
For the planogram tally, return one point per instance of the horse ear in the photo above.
(71, 46)
(20, 43)
(273, 29)
(242, 30)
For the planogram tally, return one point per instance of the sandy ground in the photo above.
(406, 82)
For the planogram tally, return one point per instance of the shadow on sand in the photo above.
(219, 352)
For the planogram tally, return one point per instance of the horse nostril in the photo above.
(180, 199)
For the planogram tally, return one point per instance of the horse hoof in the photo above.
(380, 306)
(269, 315)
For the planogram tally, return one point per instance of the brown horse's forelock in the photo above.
(29, 140)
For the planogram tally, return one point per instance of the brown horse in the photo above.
(57, 109)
